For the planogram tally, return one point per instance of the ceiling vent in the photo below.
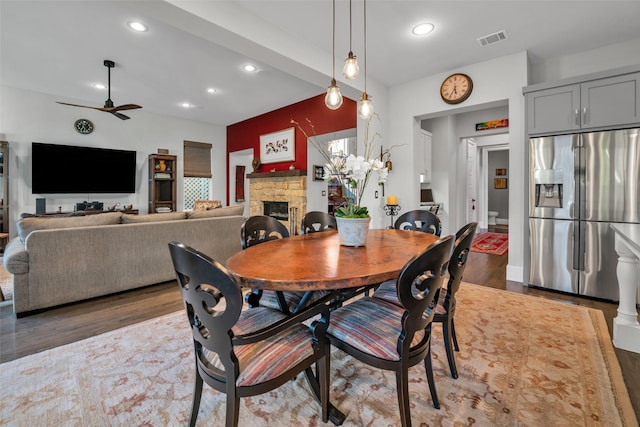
(492, 38)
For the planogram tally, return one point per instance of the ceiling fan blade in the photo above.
(119, 115)
(127, 107)
(77, 105)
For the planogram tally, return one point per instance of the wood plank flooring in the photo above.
(63, 325)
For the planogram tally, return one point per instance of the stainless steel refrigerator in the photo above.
(579, 185)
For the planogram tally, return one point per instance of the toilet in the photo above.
(492, 217)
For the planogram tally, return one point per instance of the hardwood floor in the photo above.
(63, 325)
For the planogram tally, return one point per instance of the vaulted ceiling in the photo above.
(58, 47)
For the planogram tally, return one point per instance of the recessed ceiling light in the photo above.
(249, 67)
(137, 26)
(422, 29)
(186, 105)
(211, 90)
(99, 86)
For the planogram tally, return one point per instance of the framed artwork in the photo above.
(500, 183)
(239, 183)
(501, 172)
(318, 173)
(278, 146)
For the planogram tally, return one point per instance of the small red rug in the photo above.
(491, 243)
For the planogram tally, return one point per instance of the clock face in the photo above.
(83, 126)
(456, 88)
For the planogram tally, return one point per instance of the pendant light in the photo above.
(333, 99)
(365, 110)
(351, 69)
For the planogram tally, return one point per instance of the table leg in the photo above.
(335, 416)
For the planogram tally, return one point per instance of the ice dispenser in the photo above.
(548, 184)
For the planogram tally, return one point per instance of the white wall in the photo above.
(495, 81)
(27, 117)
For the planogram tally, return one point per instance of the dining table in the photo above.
(318, 262)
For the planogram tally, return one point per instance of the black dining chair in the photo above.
(419, 220)
(259, 229)
(397, 336)
(446, 309)
(245, 352)
(316, 221)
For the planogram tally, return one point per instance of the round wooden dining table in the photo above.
(317, 261)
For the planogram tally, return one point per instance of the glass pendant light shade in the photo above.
(365, 110)
(333, 99)
(351, 69)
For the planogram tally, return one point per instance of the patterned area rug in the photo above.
(524, 361)
(491, 243)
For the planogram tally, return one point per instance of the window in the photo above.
(197, 172)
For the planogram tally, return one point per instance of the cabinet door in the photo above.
(611, 102)
(553, 110)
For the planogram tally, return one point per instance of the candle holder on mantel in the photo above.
(392, 210)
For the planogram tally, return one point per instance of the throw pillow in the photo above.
(226, 211)
(205, 205)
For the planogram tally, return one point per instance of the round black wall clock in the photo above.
(83, 126)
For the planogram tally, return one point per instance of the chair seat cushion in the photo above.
(353, 325)
(387, 291)
(267, 359)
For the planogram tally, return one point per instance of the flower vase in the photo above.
(353, 231)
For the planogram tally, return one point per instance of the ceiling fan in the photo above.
(108, 104)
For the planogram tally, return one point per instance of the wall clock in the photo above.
(456, 88)
(83, 126)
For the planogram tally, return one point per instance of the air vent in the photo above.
(492, 38)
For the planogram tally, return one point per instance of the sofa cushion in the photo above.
(27, 225)
(16, 257)
(226, 211)
(136, 219)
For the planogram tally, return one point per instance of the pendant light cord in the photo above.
(350, 25)
(365, 46)
(333, 70)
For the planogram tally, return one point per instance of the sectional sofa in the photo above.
(61, 260)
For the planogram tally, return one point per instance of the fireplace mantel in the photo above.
(277, 174)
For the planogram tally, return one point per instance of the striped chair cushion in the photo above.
(269, 299)
(371, 325)
(264, 360)
(387, 291)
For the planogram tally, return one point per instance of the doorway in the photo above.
(487, 180)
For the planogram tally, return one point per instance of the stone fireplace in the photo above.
(279, 188)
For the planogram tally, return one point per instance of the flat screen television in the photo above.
(68, 169)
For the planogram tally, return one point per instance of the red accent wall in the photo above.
(246, 134)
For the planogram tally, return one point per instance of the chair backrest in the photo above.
(212, 299)
(419, 220)
(458, 262)
(261, 228)
(419, 284)
(316, 221)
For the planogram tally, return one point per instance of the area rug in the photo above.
(491, 243)
(524, 361)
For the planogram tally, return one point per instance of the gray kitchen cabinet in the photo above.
(600, 103)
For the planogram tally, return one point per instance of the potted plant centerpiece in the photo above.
(353, 172)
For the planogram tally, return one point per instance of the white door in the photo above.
(472, 179)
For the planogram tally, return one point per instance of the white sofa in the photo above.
(61, 260)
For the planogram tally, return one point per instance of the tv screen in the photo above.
(61, 169)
